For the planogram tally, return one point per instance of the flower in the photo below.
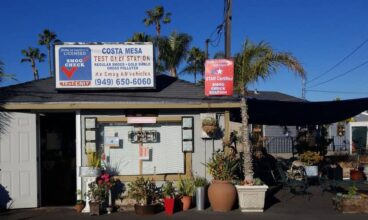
(99, 189)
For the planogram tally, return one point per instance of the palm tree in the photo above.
(47, 38)
(257, 61)
(154, 17)
(173, 50)
(4, 75)
(140, 37)
(195, 60)
(32, 55)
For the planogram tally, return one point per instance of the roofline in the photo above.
(115, 105)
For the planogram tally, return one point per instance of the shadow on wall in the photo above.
(5, 200)
(5, 118)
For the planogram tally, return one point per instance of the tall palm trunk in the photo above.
(158, 30)
(34, 69)
(195, 75)
(49, 52)
(248, 160)
(173, 72)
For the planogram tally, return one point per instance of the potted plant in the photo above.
(209, 125)
(168, 191)
(221, 192)
(145, 192)
(200, 184)
(310, 160)
(186, 189)
(80, 204)
(93, 168)
(252, 196)
(98, 192)
(352, 202)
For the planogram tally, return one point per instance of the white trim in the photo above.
(354, 124)
(78, 146)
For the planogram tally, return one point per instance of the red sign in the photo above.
(219, 77)
(143, 153)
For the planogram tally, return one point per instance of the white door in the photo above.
(18, 159)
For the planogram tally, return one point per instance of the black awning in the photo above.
(303, 113)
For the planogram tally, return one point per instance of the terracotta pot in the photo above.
(222, 195)
(169, 204)
(79, 207)
(187, 201)
(145, 209)
(356, 175)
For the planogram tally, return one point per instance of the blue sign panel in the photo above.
(75, 63)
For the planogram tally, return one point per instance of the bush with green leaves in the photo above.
(144, 191)
(168, 189)
(185, 186)
(223, 166)
(200, 181)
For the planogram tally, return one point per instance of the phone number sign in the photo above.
(104, 66)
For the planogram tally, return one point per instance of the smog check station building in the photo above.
(107, 99)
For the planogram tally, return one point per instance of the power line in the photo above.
(341, 61)
(341, 75)
(332, 91)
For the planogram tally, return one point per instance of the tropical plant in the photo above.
(168, 189)
(222, 166)
(185, 186)
(4, 75)
(195, 62)
(173, 51)
(310, 158)
(33, 55)
(93, 159)
(200, 181)
(155, 16)
(144, 191)
(254, 62)
(140, 37)
(48, 38)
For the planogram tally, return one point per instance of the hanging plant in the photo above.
(209, 125)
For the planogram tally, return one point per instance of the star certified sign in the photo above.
(219, 77)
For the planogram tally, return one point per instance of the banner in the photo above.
(219, 77)
(104, 66)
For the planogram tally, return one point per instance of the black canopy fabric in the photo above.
(303, 113)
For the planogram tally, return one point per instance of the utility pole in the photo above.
(228, 18)
(206, 51)
(304, 87)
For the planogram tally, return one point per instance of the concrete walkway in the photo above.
(282, 205)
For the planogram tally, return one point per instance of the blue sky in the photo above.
(319, 33)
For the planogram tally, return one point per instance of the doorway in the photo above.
(58, 159)
(358, 137)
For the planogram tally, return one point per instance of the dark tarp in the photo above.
(303, 113)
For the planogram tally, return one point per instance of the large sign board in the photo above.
(219, 77)
(104, 66)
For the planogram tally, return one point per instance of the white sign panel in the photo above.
(104, 66)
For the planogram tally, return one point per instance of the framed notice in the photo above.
(187, 133)
(104, 65)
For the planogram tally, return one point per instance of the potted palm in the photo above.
(186, 190)
(221, 192)
(168, 191)
(310, 160)
(200, 184)
(254, 62)
(145, 192)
